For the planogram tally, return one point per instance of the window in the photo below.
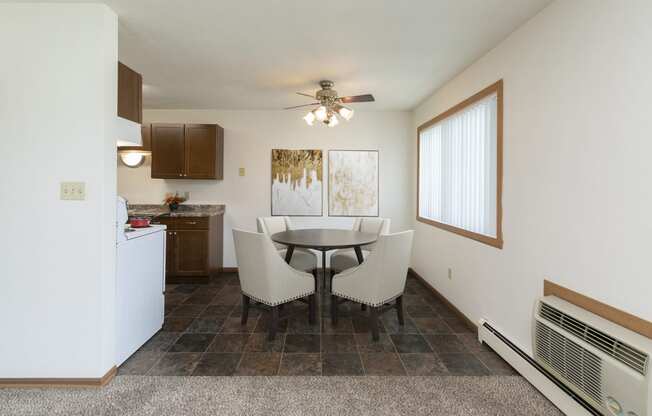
(460, 168)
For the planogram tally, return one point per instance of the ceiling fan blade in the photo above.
(357, 99)
(299, 106)
(306, 95)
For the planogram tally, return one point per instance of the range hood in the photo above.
(127, 133)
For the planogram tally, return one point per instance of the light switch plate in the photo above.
(73, 191)
(241, 171)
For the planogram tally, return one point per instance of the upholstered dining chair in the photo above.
(302, 259)
(346, 258)
(266, 278)
(378, 281)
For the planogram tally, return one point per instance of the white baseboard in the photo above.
(554, 393)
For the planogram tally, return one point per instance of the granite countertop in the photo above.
(154, 211)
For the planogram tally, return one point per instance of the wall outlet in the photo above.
(72, 191)
(450, 274)
(241, 171)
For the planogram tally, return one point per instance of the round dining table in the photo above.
(324, 240)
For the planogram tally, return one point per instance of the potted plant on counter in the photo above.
(173, 201)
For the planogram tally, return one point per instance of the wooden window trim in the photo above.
(497, 241)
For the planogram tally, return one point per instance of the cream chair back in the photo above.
(381, 278)
(273, 225)
(373, 225)
(264, 275)
(389, 261)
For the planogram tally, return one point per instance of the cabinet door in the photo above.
(130, 94)
(201, 147)
(168, 151)
(170, 255)
(191, 252)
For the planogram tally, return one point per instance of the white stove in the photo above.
(140, 232)
(140, 283)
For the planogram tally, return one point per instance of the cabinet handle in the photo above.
(191, 222)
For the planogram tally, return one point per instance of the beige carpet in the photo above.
(142, 395)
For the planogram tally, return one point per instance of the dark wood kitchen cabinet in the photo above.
(187, 151)
(130, 94)
(191, 252)
(168, 151)
(193, 248)
(170, 253)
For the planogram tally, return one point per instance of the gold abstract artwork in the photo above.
(297, 182)
(353, 183)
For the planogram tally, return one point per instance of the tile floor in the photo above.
(202, 336)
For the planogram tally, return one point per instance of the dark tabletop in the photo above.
(324, 239)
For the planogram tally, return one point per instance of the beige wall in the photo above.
(578, 140)
(249, 138)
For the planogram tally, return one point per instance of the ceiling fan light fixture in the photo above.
(310, 118)
(321, 113)
(345, 112)
(330, 105)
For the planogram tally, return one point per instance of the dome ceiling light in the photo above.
(132, 159)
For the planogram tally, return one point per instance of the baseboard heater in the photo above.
(557, 392)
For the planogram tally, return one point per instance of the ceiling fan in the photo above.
(330, 105)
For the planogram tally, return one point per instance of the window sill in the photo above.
(496, 242)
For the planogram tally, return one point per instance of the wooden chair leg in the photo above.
(399, 310)
(245, 309)
(373, 323)
(312, 308)
(334, 310)
(273, 327)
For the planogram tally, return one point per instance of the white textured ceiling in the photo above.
(254, 54)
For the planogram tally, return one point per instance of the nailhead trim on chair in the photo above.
(280, 302)
(360, 300)
(374, 305)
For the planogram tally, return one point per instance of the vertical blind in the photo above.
(458, 169)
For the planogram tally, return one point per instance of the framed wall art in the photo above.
(353, 183)
(297, 182)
